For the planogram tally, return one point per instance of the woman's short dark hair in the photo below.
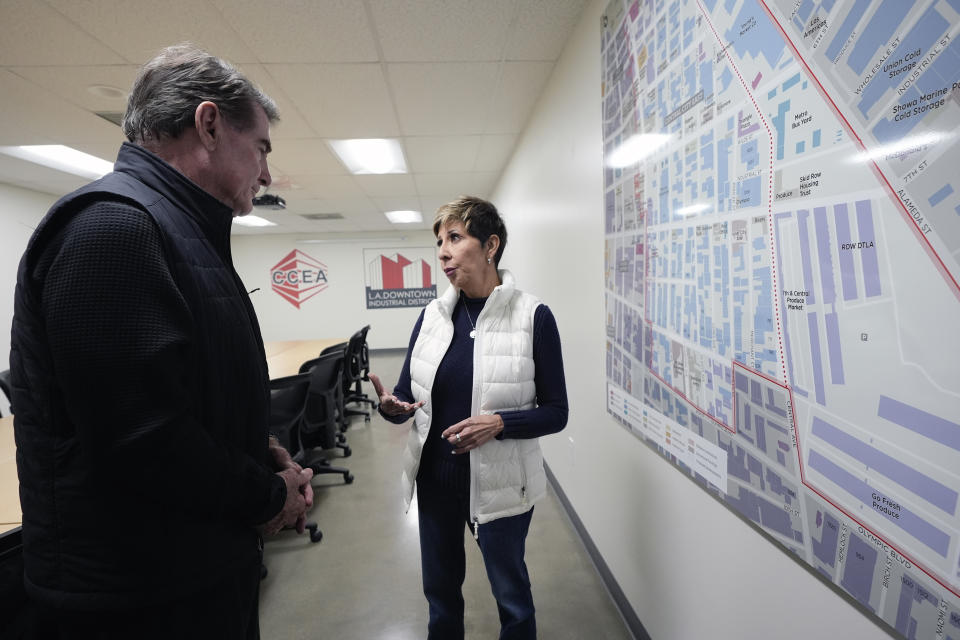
(479, 217)
(168, 89)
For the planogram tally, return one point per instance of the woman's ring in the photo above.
(458, 437)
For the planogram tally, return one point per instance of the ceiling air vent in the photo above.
(322, 216)
(116, 117)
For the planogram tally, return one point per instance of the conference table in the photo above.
(283, 359)
(10, 514)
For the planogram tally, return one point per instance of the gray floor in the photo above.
(363, 580)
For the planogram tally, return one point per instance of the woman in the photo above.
(483, 376)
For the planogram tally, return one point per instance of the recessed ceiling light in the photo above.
(252, 221)
(61, 158)
(403, 217)
(370, 155)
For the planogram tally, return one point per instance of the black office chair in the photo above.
(288, 395)
(5, 387)
(318, 428)
(357, 370)
(340, 414)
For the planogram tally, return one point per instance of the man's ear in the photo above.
(208, 121)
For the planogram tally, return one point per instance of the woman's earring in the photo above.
(488, 260)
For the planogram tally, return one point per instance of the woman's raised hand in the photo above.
(389, 403)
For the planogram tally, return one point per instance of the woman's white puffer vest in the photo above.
(506, 476)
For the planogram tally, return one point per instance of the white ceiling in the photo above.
(454, 80)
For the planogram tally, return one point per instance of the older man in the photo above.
(141, 387)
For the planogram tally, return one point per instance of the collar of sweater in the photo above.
(214, 217)
(499, 297)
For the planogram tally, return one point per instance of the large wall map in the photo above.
(782, 237)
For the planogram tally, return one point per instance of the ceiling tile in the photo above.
(74, 83)
(302, 30)
(390, 184)
(103, 150)
(133, 29)
(340, 100)
(307, 156)
(494, 152)
(521, 83)
(442, 98)
(299, 207)
(292, 123)
(542, 28)
(451, 185)
(441, 153)
(397, 203)
(457, 30)
(32, 115)
(429, 205)
(320, 186)
(35, 34)
(362, 205)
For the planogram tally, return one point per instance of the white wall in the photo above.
(689, 567)
(20, 212)
(340, 309)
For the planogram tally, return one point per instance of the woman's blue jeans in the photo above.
(443, 515)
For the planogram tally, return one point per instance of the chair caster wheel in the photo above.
(347, 452)
(348, 478)
(316, 537)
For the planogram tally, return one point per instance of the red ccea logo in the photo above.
(298, 277)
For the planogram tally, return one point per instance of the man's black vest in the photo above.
(78, 551)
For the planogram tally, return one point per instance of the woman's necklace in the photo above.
(473, 332)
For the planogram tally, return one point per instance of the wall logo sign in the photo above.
(400, 277)
(298, 277)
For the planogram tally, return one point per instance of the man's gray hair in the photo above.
(168, 89)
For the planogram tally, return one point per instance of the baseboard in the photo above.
(620, 600)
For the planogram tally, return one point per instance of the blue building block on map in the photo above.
(940, 195)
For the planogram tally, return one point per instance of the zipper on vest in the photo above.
(476, 529)
(523, 476)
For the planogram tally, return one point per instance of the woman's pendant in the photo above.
(473, 334)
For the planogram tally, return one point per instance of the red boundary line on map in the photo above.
(803, 479)
(938, 262)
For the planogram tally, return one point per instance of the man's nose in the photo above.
(265, 178)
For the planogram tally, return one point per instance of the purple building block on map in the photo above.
(868, 256)
(848, 275)
(919, 421)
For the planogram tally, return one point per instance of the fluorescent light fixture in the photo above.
(693, 209)
(335, 239)
(61, 158)
(370, 155)
(903, 146)
(636, 148)
(252, 221)
(403, 217)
